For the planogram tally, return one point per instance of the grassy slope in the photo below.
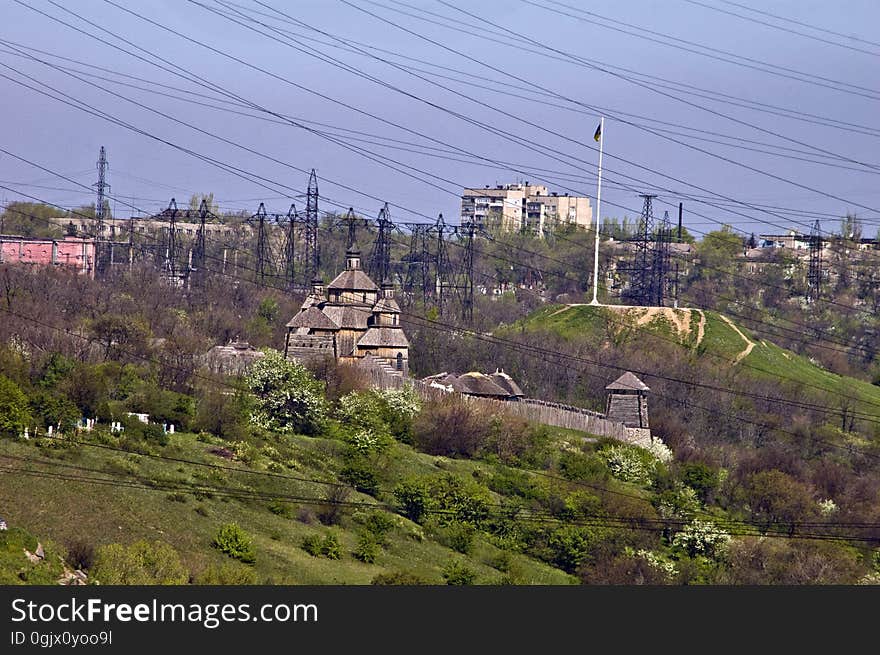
(66, 511)
(721, 343)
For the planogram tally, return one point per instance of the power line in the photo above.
(747, 62)
(820, 408)
(791, 31)
(380, 119)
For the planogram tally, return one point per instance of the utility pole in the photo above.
(467, 288)
(171, 244)
(290, 247)
(660, 281)
(101, 186)
(678, 255)
(261, 246)
(814, 275)
(199, 254)
(642, 271)
(380, 257)
(352, 229)
(130, 242)
(442, 266)
(312, 247)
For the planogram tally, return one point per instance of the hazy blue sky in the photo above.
(147, 172)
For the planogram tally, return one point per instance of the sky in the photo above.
(760, 122)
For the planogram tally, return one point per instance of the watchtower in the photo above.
(627, 401)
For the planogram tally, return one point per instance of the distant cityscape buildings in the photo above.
(523, 207)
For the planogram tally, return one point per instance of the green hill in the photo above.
(456, 495)
(705, 335)
(89, 494)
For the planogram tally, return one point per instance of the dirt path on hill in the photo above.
(562, 309)
(701, 328)
(682, 323)
(749, 344)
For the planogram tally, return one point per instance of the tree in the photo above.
(287, 397)
(717, 251)
(851, 227)
(195, 201)
(30, 219)
(775, 497)
(14, 414)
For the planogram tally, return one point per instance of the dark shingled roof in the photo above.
(312, 318)
(352, 280)
(387, 337)
(627, 382)
(506, 382)
(387, 305)
(347, 316)
(479, 384)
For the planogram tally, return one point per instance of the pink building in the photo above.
(74, 253)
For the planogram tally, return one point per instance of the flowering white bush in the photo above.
(702, 538)
(659, 449)
(656, 562)
(287, 397)
(872, 578)
(681, 502)
(827, 506)
(361, 408)
(626, 465)
(403, 402)
(365, 441)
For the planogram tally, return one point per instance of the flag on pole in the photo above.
(598, 133)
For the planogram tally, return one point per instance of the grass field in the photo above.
(66, 511)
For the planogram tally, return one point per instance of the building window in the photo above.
(399, 361)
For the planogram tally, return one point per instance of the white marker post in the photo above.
(595, 300)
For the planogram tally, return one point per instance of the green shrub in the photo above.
(512, 482)
(141, 563)
(583, 466)
(155, 433)
(457, 573)
(461, 500)
(14, 414)
(280, 509)
(514, 441)
(569, 547)
(700, 477)
(236, 543)
(502, 562)
(367, 550)
(378, 524)
(227, 574)
(414, 499)
(458, 536)
(331, 548)
(360, 476)
(327, 546)
(312, 544)
(398, 578)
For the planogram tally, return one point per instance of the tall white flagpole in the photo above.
(595, 300)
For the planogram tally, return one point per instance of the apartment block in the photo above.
(523, 207)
